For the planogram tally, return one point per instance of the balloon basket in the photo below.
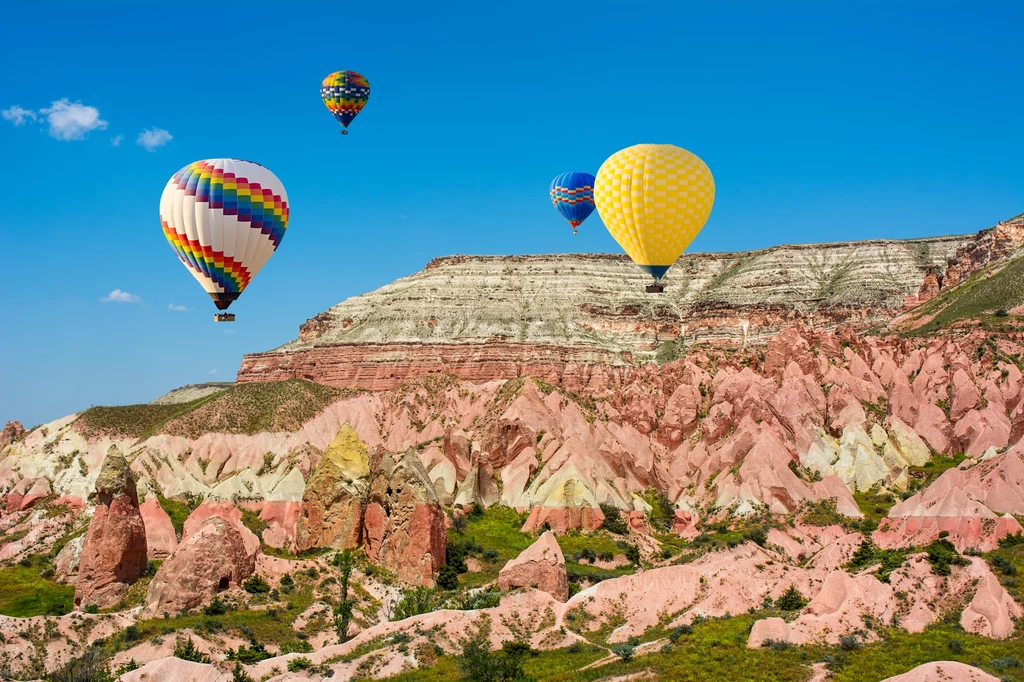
(224, 317)
(344, 132)
(655, 288)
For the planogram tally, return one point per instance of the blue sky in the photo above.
(820, 122)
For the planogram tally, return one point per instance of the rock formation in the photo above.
(216, 556)
(944, 671)
(540, 565)
(332, 505)
(114, 552)
(386, 503)
(404, 523)
(501, 317)
(160, 537)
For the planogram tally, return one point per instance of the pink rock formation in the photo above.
(943, 671)
(767, 630)
(114, 552)
(13, 431)
(974, 503)
(160, 538)
(214, 557)
(26, 493)
(992, 612)
(540, 565)
(176, 670)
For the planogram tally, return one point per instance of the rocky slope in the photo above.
(498, 317)
(867, 461)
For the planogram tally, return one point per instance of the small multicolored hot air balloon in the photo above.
(573, 196)
(345, 94)
(654, 199)
(224, 218)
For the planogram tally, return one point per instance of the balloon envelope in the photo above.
(345, 94)
(654, 199)
(573, 196)
(224, 218)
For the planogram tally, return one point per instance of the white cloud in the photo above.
(176, 307)
(72, 120)
(118, 296)
(18, 115)
(116, 141)
(212, 371)
(151, 138)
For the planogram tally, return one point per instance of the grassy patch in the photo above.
(254, 408)
(923, 476)
(495, 528)
(980, 297)
(901, 651)
(134, 421)
(577, 542)
(178, 511)
(875, 503)
(243, 408)
(265, 626)
(24, 593)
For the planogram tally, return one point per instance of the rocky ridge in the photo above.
(499, 317)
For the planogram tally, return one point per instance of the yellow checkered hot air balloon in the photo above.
(654, 199)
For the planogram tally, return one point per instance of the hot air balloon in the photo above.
(345, 94)
(224, 218)
(573, 196)
(654, 199)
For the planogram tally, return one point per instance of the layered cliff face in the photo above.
(498, 317)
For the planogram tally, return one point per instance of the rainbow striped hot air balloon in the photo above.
(345, 94)
(573, 196)
(654, 199)
(224, 218)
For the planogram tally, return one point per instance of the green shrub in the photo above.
(414, 602)
(447, 578)
(613, 522)
(186, 650)
(297, 646)
(299, 664)
(791, 600)
(216, 607)
(479, 664)
(942, 555)
(255, 584)
(254, 653)
(624, 651)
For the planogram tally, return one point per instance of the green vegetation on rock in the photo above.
(242, 408)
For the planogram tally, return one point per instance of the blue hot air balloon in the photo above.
(573, 196)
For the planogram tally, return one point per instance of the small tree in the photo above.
(791, 599)
(343, 611)
(186, 650)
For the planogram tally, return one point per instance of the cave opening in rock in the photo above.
(223, 584)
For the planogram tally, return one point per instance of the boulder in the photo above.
(161, 540)
(540, 565)
(767, 630)
(216, 556)
(114, 553)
